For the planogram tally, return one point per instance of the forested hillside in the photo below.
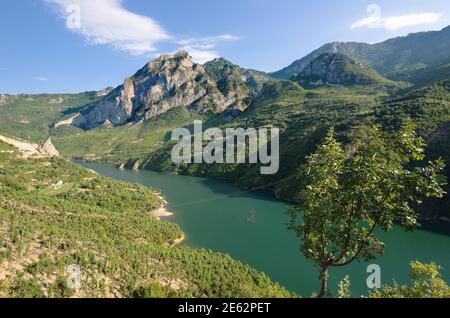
(54, 214)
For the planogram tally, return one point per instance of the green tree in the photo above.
(426, 283)
(348, 195)
(344, 288)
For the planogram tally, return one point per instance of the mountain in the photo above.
(390, 58)
(238, 85)
(168, 82)
(336, 47)
(338, 69)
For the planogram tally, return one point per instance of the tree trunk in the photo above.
(323, 281)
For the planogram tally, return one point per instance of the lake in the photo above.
(218, 216)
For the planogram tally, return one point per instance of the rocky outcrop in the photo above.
(72, 120)
(49, 149)
(3, 99)
(104, 92)
(167, 82)
(56, 101)
(30, 149)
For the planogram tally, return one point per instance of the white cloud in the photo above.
(199, 55)
(400, 22)
(205, 49)
(108, 22)
(40, 78)
(370, 22)
(393, 23)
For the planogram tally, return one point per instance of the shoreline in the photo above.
(178, 241)
(161, 212)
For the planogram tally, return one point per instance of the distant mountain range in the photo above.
(394, 58)
(220, 86)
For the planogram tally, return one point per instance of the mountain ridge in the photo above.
(338, 69)
(390, 57)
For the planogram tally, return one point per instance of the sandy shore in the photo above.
(162, 211)
(178, 241)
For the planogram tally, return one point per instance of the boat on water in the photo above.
(252, 217)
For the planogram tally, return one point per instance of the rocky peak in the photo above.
(171, 81)
(167, 82)
(49, 149)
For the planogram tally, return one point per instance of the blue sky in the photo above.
(44, 49)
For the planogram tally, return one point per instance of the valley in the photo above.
(229, 220)
(214, 215)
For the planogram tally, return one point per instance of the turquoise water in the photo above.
(214, 215)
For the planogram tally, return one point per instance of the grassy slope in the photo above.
(104, 226)
(30, 116)
(113, 144)
(426, 76)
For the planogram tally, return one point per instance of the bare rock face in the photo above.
(104, 91)
(166, 82)
(49, 149)
(30, 149)
(3, 99)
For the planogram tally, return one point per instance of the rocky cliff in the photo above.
(167, 82)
